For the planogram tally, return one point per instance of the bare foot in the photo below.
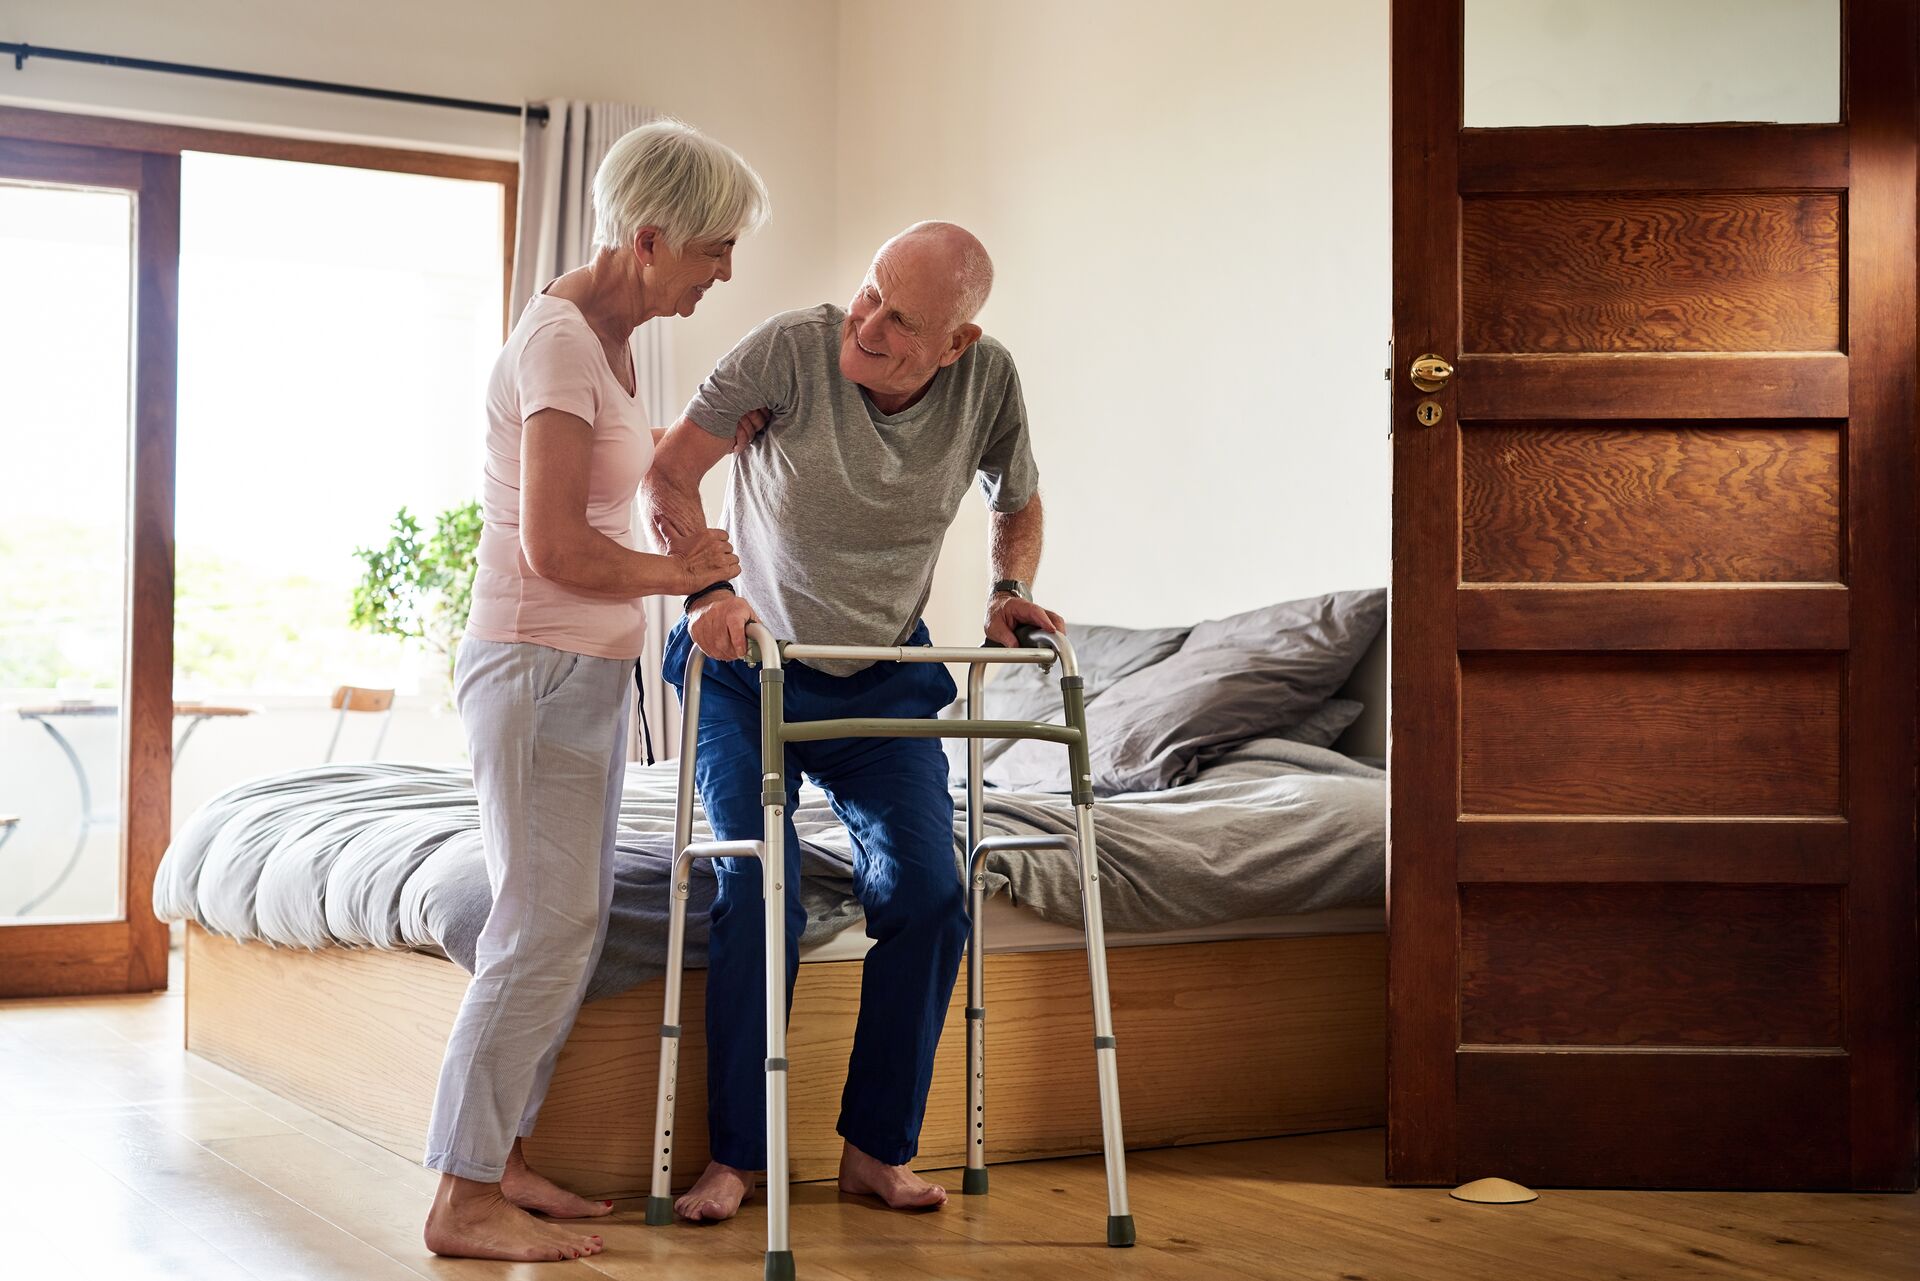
(472, 1220)
(542, 1195)
(897, 1185)
(716, 1196)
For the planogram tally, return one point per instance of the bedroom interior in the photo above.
(1503, 768)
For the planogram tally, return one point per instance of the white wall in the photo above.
(1188, 209)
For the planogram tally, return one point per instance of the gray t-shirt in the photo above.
(838, 511)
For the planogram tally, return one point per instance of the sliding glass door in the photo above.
(88, 252)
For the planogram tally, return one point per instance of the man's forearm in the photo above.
(1013, 542)
(673, 510)
(670, 493)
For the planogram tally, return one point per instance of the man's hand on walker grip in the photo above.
(1005, 611)
(718, 625)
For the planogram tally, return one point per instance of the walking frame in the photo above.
(1036, 647)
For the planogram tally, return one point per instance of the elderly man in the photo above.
(878, 418)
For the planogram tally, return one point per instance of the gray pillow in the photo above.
(1107, 654)
(1233, 679)
(1323, 726)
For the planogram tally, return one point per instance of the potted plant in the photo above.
(421, 589)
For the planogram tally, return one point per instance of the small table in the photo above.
(48, 714)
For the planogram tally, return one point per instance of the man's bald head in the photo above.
(913, 314)
(945, 256)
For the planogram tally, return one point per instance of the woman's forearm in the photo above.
(589, 561)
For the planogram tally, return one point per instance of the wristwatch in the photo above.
(1013, 587)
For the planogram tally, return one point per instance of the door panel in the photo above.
(1651, 868)
(1642, 965)
(1653, 734)
(1701, 1119)
(1700, 271)
(1650, 503)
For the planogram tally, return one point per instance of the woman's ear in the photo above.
(645, 242)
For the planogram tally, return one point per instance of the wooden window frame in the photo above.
(130, 954)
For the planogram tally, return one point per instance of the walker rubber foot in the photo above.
(659, 1211)
(973, 1182)
(779, 1265)
(1119, 1230)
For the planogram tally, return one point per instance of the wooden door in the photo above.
(116, 944)
(1651, 888)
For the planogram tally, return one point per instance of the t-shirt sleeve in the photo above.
(1008, 475)
(559, 368)
(757, 374)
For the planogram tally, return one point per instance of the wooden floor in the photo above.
(128, 1158)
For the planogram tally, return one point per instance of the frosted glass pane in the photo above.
(1622, 62)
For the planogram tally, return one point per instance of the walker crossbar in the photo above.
(901, 727)
(1038, 648)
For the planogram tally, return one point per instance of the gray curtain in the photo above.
(552, 236)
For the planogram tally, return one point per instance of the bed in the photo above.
(1242, 900)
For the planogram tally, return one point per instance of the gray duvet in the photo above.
(388, 855)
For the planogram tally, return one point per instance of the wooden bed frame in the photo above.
(1218, 1040)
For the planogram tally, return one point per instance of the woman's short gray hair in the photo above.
(671, 176)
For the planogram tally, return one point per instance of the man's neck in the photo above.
(892, 404)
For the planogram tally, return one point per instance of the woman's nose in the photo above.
(726, 266)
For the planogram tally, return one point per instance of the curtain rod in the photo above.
(21, 52)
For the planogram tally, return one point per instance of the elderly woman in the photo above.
(546, 670)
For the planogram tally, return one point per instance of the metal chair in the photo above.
(353, 698)
(1041, 648)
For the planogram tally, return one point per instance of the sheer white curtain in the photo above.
(554, 234)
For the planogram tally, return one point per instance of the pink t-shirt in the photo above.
(553, 360)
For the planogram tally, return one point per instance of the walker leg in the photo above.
(974, 1181)
(773, 877)
(660, 1198)
(773, 795)
(1106, 1060)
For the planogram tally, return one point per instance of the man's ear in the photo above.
(963, 338)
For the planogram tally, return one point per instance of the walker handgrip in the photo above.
(1025, 636)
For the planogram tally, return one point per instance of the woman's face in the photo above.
(680, 280)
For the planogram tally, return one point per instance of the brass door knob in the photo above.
(1429, 372)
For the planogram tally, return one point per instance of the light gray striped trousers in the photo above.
(547, 731)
